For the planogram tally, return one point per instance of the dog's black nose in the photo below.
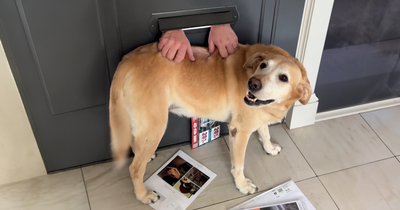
(254, 84)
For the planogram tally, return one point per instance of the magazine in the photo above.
(204, 131)
(293, 205)
(287, 192)
(178, 182)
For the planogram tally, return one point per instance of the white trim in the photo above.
(304, 29)
(357, 109)
(314, 26)
(313, 30)
(296, 119)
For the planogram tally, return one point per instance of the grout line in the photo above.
(328, 193)
(300, 180)
(226, 143)
(377, 134)
(363, 164)
(322, 186)
(84, 183)
(316, 175)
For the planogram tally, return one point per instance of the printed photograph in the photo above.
(186, 187)
(197, 177)
(175, 170)
(286, 206)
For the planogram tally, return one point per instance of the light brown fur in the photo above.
(146, 86)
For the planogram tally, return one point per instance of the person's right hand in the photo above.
(174, 45)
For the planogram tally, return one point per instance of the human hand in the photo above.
(224, 38)
(174, 45)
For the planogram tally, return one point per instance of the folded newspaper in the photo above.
(286, 196)
(178, 182)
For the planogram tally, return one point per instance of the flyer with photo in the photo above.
(178, 182)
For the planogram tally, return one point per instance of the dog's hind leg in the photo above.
(148, 131)
(264, 137)
(120, 128)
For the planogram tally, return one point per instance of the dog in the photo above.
(250, 89)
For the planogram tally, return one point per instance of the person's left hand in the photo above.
(174, 45)
(224, 38)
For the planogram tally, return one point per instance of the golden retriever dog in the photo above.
(249, 90)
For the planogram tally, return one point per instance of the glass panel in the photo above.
(360, 62)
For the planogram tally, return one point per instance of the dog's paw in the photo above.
(148, 197)
(274, 150)
(153, 157)
(247, 187)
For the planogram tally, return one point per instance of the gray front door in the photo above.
(63, 55)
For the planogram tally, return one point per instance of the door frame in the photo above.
(314, 27)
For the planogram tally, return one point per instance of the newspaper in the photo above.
(284, 193)
(178, 182)
(293, 205)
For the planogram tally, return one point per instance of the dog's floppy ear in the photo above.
(304, 90)
(254, 60)
(304, 87)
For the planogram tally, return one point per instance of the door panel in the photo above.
(71, 76)
(67, 46)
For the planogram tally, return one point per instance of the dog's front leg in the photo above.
(265, 138)
(238, 140)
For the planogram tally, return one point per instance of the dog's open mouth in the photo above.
(251, 100)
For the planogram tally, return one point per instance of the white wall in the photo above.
(19, 154)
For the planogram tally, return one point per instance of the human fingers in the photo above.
(211, 46)
(172, 51)
(230, 49)
(162, 43)
(222, 51)
(190, 53)
(164, 51)
(180, 55)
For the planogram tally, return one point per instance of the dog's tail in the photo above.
(121, 136)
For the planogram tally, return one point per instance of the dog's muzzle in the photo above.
(251, 100)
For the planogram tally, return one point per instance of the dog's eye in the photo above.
(283, 78)
(263, 65)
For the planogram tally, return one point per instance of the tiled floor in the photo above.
(349, 163)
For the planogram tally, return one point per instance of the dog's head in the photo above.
(277, 78)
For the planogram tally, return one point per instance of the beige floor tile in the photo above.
(316, 194)
(369, 187)
(64, 190)
(385, 123)
(110, 189)
(267, 171)
(340, 143)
